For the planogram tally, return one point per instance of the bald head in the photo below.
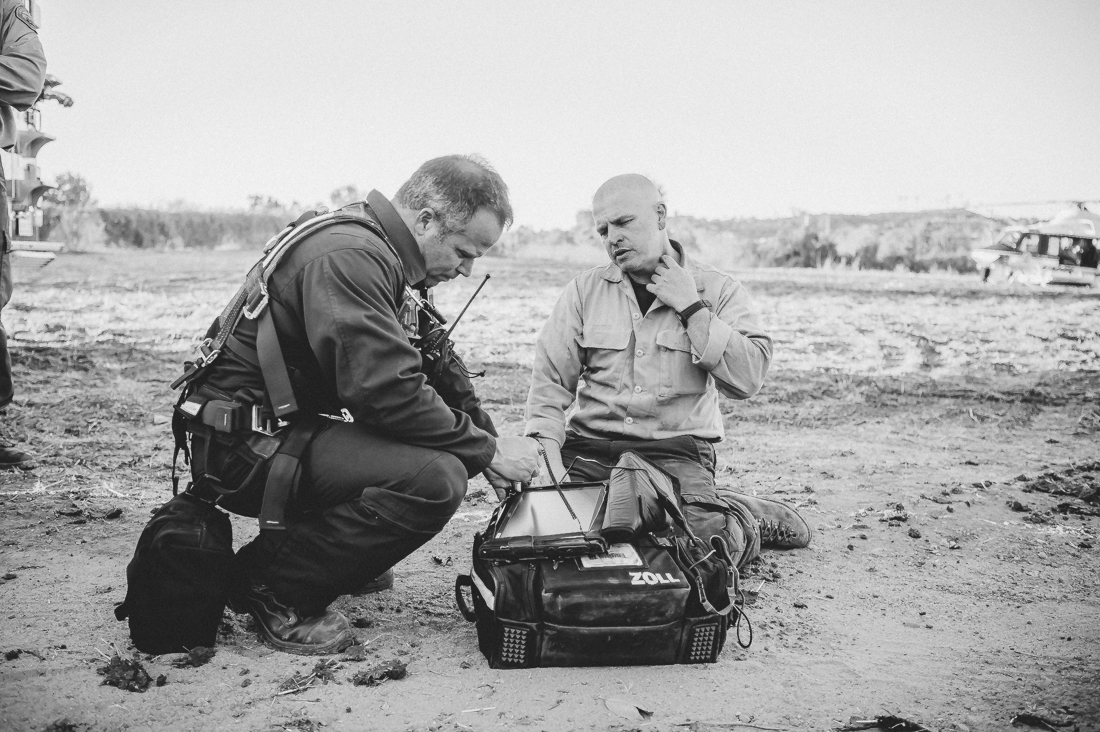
(630, 218)
(629, 185)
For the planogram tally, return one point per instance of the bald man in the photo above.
(641, 348)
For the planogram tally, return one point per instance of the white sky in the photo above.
(737, 108)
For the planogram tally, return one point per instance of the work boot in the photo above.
(780, 525)
(286, 630)
(383, 581)
(13, 459)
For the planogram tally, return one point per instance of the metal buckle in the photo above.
(208, 358)
(265, 427)
(255, 312)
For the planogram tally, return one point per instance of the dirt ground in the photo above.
(939, 436)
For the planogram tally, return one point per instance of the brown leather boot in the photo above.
(781, 527)
(286, 630)
(383, 581)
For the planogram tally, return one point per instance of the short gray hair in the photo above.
(454, 187)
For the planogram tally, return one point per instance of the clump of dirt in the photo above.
(64, 725)
(376, 675)
(1079, 481)
(125, 673)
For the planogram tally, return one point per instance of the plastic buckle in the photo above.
(259, 308)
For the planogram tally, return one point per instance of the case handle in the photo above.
(465, 580)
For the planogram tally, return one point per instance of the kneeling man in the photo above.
(644, 345)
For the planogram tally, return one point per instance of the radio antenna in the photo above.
(468, 303)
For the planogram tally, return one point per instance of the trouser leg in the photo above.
(7, 391)
(691, 461)
(364, 504)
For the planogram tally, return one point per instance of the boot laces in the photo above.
(775, 531)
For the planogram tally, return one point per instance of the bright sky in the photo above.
(737, 108)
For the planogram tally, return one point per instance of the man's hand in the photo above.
(673, 285)
(501, 486)
(517, 459)
(553, 456)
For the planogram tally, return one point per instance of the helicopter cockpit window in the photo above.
(1009, 239)
(1063, 247)
(1029, 243)
(1090, 256)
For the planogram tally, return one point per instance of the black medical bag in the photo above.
(548, 589)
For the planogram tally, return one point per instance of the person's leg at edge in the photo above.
(10, 457)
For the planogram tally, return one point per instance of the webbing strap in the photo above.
(234, 344)
(273, 367)
(282, 475)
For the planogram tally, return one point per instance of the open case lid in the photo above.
(537, 523)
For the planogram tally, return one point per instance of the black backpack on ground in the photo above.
(179, 579)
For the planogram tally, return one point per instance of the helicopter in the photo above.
(1062, 251)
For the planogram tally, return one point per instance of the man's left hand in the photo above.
(673, 285)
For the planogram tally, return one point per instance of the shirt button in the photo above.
(629, 420)
(637, 390)
(636, 316)
(639, 353)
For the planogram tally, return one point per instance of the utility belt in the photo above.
(240, 457)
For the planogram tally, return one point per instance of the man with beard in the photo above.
(641, 348)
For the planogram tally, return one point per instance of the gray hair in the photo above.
(454, 187)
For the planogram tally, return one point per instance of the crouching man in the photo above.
(349, 305)
(651, 339)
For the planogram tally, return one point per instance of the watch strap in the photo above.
(691, 309)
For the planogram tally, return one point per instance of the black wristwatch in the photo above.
(691, 309)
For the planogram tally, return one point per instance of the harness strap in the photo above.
(273, 367)
(234, 344)
(283, 474)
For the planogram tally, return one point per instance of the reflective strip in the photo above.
(486, 593)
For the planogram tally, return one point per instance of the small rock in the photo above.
(10, 576)
(246, 682)
(914, 534)
(113, 513)
(800, 604)
(162, 680)
(244, 672)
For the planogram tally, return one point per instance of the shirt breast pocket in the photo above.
(679, 375)
(605, 346)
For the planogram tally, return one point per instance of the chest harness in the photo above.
(273, 428)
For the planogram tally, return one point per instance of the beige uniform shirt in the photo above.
(625, 375)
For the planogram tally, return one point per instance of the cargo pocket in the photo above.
(679, 375)
(604, 345)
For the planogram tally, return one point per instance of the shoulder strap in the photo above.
(251, 302)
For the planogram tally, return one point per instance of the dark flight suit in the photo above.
(22, 72)
(373, 490)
